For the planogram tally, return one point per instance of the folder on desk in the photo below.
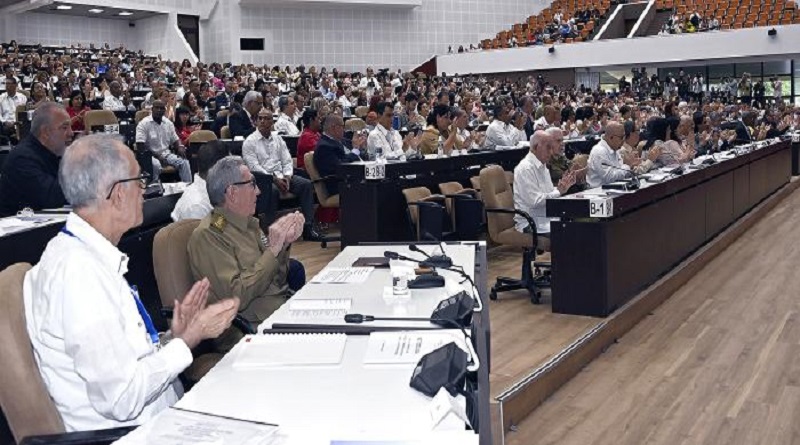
(276, 350)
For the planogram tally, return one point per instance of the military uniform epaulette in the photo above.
(218, 222)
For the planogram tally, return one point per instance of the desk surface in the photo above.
(350, 397)
(368, 298)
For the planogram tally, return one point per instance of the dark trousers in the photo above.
(304, 190)
(296, 276)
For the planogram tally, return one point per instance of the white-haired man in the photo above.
(101, 358)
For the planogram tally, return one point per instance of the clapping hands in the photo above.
(194, 321)
(285, 231)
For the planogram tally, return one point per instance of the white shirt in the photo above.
(269, 156)
(532, 187)
(517, 135)
(9, 104)
(541, 124)
(498, 135)
(598, 174)
(388, 140)
(158, 138)
(92, 348)
(194, 203)
(286, 125)
(113, 103)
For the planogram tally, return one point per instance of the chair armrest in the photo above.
(324, 178)
(239, 322)
(429, 200)
(97, 437)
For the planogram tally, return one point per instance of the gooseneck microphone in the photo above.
(441, 261)
(426, 281)
(633, 182)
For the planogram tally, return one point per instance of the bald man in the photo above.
(116, 100)
(605, 163)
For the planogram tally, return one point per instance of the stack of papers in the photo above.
(322, 308)
(273, 350)
(349, 275)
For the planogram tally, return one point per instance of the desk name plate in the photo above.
(374, 170)
(601, 207)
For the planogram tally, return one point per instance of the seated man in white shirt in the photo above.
(266, 152)
(285, 123)
(9, 101)
(157, 134)
(549, 118)
(116, 100)
(605, 164)
(194, 202)
(388, 140)
(499, 133)
(101, 358)
(533, 186)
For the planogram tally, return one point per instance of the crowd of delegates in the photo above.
(128, 374)
(689, 23)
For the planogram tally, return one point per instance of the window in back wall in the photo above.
(251, 44)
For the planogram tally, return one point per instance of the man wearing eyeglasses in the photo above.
(104, 363)
(230, 249)
(157, 134)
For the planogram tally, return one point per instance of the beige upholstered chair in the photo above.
(174, 279)
(94, 118)
(498, 198)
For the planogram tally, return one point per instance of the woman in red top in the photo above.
(77, 110)
(183, 126)
(312, 124)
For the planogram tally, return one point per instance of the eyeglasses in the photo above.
(265, 118)
(251, 181)
(143, 179)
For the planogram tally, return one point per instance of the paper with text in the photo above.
(275, 350)
(349, 275)
(404, 347)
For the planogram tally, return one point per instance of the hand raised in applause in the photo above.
(654, 153)
(194, 321)
(567, 181)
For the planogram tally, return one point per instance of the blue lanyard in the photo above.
(148, 322)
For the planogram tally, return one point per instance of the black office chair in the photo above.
(466, 210)
(266, 207)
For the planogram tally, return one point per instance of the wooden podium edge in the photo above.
(517, 402)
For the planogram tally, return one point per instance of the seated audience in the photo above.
(9, 101)
(312, 125)
(194, 202)
(30, 173)
(102, 360)
(183, 124)
(499, 134)
(157, 134)
(630, 150)
(440, 131)
(242, 122)
(117, 100)
(229, 248)
(285, 124)
(533, 186)
(265, 152)
(605, 164)
(330, 152)
(386, 139)
(77, 110)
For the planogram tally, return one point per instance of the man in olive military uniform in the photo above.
(559, 164)
(229, 248)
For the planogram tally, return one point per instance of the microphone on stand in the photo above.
(426, 281)
(632, 184)
(436, 261)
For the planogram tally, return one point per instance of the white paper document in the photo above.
(179, 427)
(349, 275)
(404, 347)
(273, 350)
(335, 308)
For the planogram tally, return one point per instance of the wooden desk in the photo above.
(601, 263)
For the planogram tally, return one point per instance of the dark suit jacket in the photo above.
(240, 124)
(328, 154)
(30, 179)
(742, 133)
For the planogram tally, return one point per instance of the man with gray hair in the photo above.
(243, 122)
(230, 249)
(533, 186)
(286, 122)
(104, 363)
(30, 174)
